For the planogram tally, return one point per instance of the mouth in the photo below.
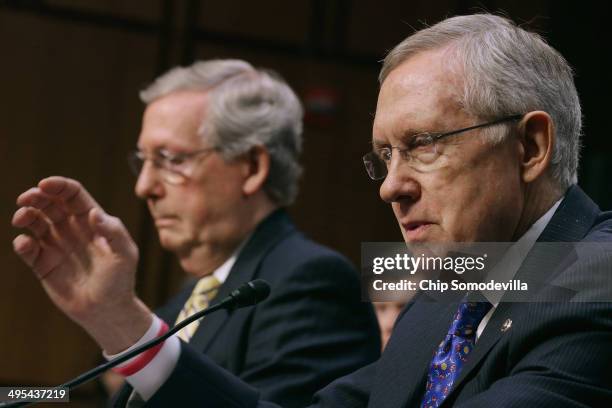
(164, 221)
(416, 230)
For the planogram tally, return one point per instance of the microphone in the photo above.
(247, 294)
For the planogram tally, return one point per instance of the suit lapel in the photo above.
(490, 336)
(570, 223)
(267, 234)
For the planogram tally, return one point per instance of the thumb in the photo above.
(114, 232)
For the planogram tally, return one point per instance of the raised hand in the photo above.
(85, 259)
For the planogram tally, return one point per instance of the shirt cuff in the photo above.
(152, 376)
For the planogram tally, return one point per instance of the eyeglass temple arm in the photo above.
(495, 122)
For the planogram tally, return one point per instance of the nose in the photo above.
(148, 184)
(400, 184)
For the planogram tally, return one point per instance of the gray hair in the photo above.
(247, 107)
(506, 70)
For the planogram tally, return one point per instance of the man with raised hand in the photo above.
(217, 163)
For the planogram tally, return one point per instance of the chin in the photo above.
(171, 242)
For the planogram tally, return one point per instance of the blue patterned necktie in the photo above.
(453, 352)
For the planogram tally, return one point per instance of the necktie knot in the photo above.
(468, 317)
(204, 291)
(201, 296)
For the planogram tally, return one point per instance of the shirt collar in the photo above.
(516, 254)
(222, 272)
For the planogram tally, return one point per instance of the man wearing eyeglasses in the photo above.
(476, 139)
(217, 163)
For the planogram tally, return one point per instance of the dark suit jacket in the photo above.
(555, 354)
(311, 330)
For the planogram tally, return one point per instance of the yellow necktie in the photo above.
(203, 292)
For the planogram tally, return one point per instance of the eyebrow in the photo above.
(405, 138)
(166, 149)
(378, 144)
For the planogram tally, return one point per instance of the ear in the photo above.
(257, 170)
(537, 141)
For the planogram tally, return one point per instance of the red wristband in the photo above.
(145, 358)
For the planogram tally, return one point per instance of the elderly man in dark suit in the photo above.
(217, 163)
(476, 139)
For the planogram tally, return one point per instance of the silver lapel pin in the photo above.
(506, 326)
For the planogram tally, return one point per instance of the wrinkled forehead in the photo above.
(420, 94)
(173, 121)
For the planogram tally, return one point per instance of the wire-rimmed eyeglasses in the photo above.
(421, 152)
(174, 168)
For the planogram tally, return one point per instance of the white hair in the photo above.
(247, 107)
(506, 70)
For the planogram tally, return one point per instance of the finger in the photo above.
(82, 228)
(43, 256)
(76, 199)
(31, 197)
(69, 237)
(33, 220)
(115, 233)
(27, 248)
(38, 255)
(60, 235)
(36, 198)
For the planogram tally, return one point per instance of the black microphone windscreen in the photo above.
(250, 293)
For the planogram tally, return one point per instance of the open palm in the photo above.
(84, 258)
